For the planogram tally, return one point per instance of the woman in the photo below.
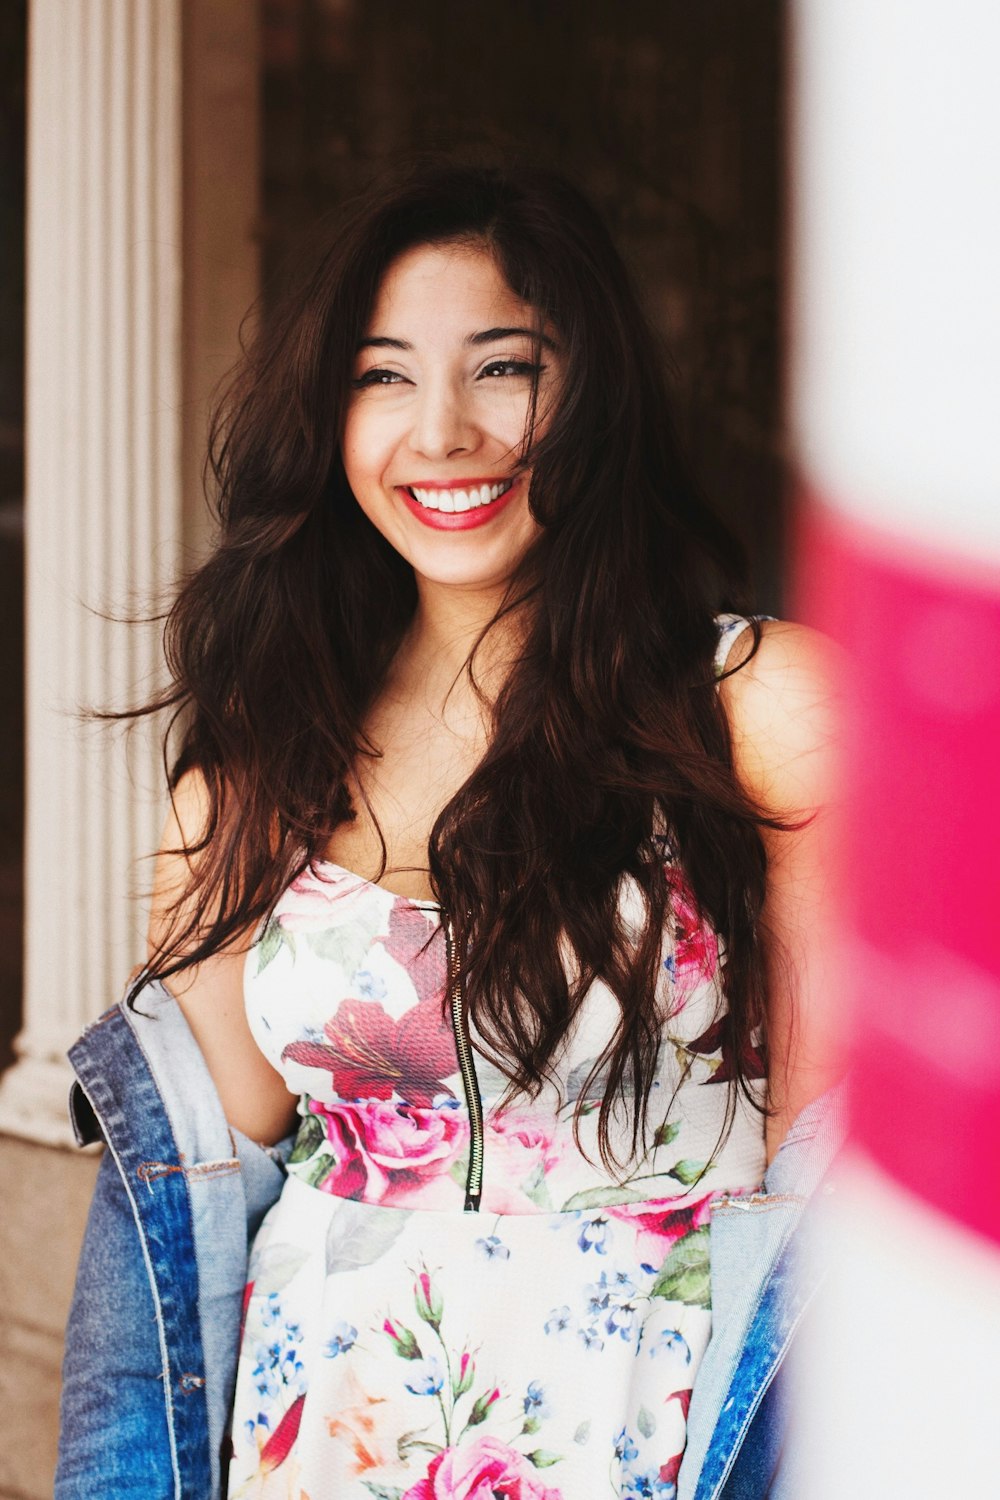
(474, 873)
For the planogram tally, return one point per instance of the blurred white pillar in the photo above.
(896, 411)
(120, 355)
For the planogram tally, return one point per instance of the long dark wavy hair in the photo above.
(608, 726)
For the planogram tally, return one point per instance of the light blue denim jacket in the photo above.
(151, 1343)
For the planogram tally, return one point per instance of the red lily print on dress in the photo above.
(371, 1056)
(419, 951)
(716, 1039)
(368, 1052)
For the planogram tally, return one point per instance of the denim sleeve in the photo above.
(114, 1439)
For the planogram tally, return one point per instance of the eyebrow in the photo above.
(493, 335)
(475, 340)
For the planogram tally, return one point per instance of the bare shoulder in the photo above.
(783, 705)
(784, 713)
(183, 830)
(180, 845)
(253, 1094)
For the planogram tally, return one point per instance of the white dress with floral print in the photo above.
(398, 1346)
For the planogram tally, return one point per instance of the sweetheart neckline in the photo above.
(424, 903)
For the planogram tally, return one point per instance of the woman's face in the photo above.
(438, 411)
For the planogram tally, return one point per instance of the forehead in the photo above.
(433, 291)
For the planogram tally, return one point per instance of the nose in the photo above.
(443, 422)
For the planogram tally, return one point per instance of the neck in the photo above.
(443, 634)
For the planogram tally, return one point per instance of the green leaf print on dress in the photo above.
(685, 1274)
(273, 939)
(359, 1236)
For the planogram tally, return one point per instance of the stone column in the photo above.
(142, 260)
(103, 504)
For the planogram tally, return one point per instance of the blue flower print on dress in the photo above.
(279, 1376)
(426, 1378)
(535, 1404)
(625, 1448)
(560, 1320)
(640, 1479)
(594, 1235)
(622, 1320)
(648, 1486)
(270, 1312)
(493, 1248)
(264, 1377)
(369, 986)
(670, 1341)
(597, 1297)
(342, 1338)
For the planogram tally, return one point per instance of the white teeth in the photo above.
(460, 500)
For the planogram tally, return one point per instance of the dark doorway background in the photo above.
(668, 113)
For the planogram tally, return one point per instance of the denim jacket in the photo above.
(152, 1338)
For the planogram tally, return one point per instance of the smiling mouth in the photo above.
(452, 501)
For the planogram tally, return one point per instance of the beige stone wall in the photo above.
(45, 1193)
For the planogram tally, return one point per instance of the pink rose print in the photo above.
(371, 1056)
(659, 1227)
(384, 1150)
(482, 1470)
(314, 902)
(521, 1153)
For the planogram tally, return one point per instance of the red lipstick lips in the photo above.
(459, 520)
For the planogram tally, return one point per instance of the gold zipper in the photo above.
(467, 1066)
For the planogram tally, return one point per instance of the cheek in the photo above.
(366, 446)
(361, 470)
(505, 418)
(352, 450)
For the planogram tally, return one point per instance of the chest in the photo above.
(420, 759)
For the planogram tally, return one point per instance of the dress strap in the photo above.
(730, 628)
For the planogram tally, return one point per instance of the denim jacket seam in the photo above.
(218, 1165)
(757, 1203)
(801, 1135)
(161, 1332)
(102, 1020)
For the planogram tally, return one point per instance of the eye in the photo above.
(499, 369)
(377, 377)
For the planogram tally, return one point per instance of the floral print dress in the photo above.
(541, 1345)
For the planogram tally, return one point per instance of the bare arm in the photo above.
(253, 1094)
(783, 711)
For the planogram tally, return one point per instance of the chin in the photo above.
(466, 580)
